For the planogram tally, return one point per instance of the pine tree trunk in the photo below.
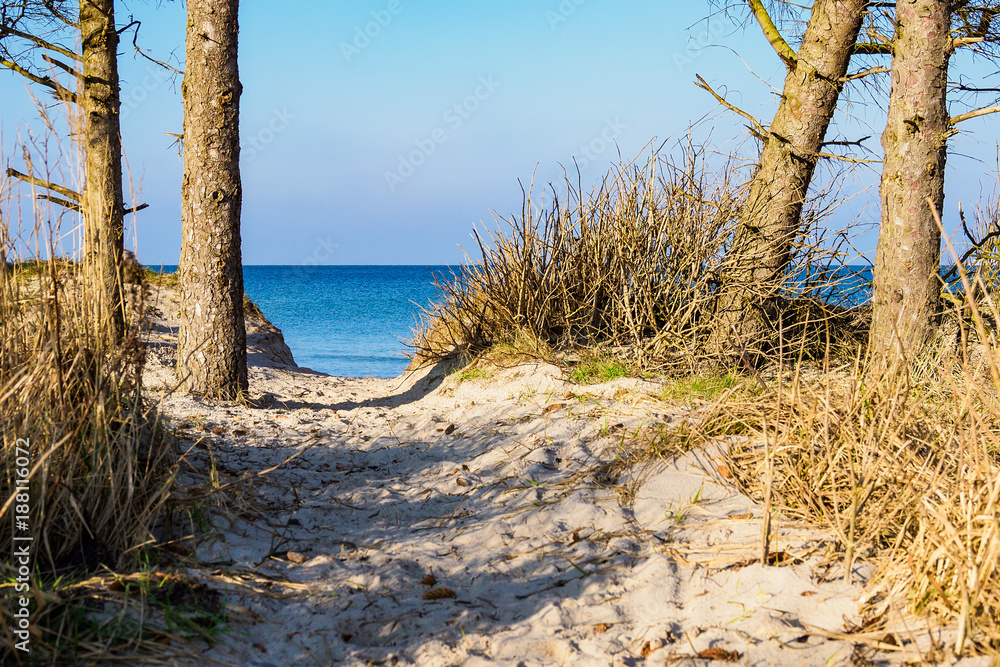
(762, 249)
(211, 349)
(103, 206)
(907, 290)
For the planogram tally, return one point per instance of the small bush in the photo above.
(636, 265)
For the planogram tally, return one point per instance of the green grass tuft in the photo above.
(599, 370)
(471, 373)
(698, 387)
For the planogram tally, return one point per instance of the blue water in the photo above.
(348, 321)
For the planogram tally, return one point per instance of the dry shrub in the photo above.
(904, 469)
(631, 267)
(71, 403)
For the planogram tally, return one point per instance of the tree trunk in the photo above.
(102, 203)
(211, 348)
(907, 291)
(770, 222)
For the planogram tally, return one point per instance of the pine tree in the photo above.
(770, 221)
(211, 349)
(103, 200)
(907, 290)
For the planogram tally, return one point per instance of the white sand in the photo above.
(493, 486)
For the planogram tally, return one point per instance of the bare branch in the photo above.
(959, 42)
(955, 120)
(847, 143)
(843, 158)
(778, 43)
(138, 49)
(64, 191)
(977, 244)
(63, 66)
(6, 30)
(863, 73)
(65, 203)
(72, 199)
(873, 48)
(760, 129)
(59, 91)
(58, 13)
(973, 89)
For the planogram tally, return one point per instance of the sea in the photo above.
(347, 321)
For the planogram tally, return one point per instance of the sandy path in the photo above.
(495, 496)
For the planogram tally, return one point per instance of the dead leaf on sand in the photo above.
(429, 580)
(601, 628)
(450, 429)
(442, 593)
(647, 649)
(724, 471)
(296, 557)
(720, 654)
(555, 406)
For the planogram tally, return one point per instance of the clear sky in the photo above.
(381, 131)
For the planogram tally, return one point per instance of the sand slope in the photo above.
(432, 522)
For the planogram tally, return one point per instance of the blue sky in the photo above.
(381, 131)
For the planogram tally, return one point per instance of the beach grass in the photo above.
(87, 464)
(635, 265)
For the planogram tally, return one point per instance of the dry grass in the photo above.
(631, 267)
(904, 467)
(72, 417)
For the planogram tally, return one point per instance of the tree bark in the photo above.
(211, 348)
(762, 248)
(102, 203)
(907, 290)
